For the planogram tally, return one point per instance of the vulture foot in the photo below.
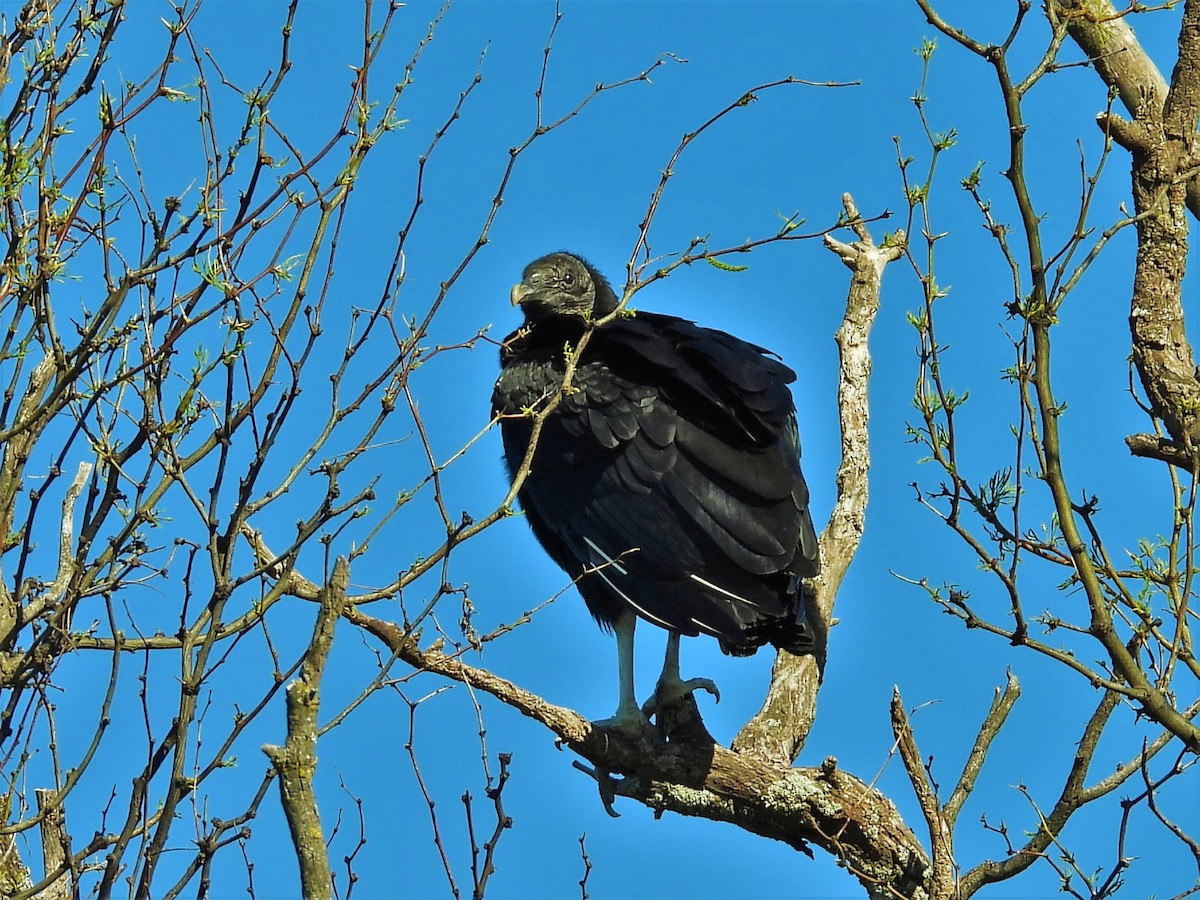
(628, 720)
(669, 692)
(676, 715)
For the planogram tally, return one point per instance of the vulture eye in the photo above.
(568, 278)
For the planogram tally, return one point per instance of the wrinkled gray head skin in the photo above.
(562, 284)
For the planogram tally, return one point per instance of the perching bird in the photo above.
(667, 479)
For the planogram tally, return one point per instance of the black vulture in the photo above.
(666, 482)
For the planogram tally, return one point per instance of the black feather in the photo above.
(668, 480)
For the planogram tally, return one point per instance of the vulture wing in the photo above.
(669, 481)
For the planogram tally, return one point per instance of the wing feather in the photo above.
(669, 480)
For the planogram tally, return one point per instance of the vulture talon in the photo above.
(608, 791)
(666, 696)
(606, 784)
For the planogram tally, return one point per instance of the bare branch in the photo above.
(940, 825)
(820, 805)
(296, 760)
(1002, 704)
(778, 730)
(56, 848)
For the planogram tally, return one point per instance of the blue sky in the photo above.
(585, 187)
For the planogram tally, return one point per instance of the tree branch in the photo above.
(1002, 704)
(56, 847)
(1119, 59)
(1162, 142)
(941, 826)
(1152, 446)
(777, 732)
(296, 760)
(823, 806)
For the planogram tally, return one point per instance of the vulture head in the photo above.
(562, 284)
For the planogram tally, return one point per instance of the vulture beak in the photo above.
(519, 292)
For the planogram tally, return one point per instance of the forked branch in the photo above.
(777, 732)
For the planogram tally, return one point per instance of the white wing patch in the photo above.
(604, 556)
(602, 571)
(720, 590)
(624, 596)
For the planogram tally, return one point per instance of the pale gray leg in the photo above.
(629, 714)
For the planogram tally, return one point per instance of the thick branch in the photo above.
(1162, 142)
(1113, 49)
(18, 443)
(1154, 447)
(55, 844)
(296, 760)
(778, 730)
(822, 806)
(66, 549)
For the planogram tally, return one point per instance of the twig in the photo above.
(587, 867)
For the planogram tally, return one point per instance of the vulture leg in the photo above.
(629, 716)
(671, 688)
